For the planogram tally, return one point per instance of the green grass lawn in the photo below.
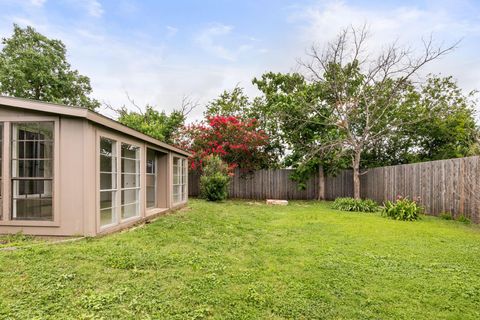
(239, 260)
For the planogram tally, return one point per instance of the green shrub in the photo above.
(462, 218)
(446, 216)
(402, 209)
(214, 180)
(358, 205)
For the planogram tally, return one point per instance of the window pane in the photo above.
(28, 149)
(129, 151)
(106, 216)
(151, 165)
(108, 181)
(176, 198)
(32, 170)
(106, 147)
(176, 190)
(130, 210)
(151, 197)
(45, 130)
(107, 199)
(150, 180)
(32, 209)
(130, 181)
(129, 166)
(108, 164)
(32, 131)
(151, 190)
(129, 196)
(38, 188)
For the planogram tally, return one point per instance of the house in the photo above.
(68, 171)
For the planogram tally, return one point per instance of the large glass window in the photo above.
(130, 188)
(151, 175)
(108, 181)
(179, 179)
(32, 170)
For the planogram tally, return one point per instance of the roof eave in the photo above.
(86, 114)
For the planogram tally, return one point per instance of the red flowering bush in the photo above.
(239, 143)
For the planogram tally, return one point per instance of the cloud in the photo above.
(171, 31)
(92, 7)
(159, 71)
(38, 3)
(325, 20)
(207, 39)
(407, 25)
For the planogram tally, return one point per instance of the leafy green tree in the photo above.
(448, 131)
(157, 124)
(230, 103)
(451, 131)
(35, 67)
(285, 101)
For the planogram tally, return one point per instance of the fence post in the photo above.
(321, 183)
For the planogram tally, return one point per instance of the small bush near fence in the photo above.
(402, 209)
(463, 219)
(357, 205)
(446, 216)
(214, 180)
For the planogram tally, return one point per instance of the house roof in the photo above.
(84, 113)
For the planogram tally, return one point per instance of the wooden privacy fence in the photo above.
(443, 186)
(263, 184)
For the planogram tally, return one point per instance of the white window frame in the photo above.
(5, 219)
(117, 221)
(181, 181)
(138, 187)
(115, 187)
(153, 174)
(14, 150)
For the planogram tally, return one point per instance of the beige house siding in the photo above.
(76, 178)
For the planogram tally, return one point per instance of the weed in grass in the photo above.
(463, 218)
(356, 205)
(446, 216)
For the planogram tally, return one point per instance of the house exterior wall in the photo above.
(68, 176)
(76, 182)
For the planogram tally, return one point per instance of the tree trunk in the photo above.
(356, 175)
(321, 183)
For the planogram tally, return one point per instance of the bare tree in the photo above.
(187, 105)
(363, 92)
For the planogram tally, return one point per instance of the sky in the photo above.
(160, 51)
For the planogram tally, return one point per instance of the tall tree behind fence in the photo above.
(443, 186)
